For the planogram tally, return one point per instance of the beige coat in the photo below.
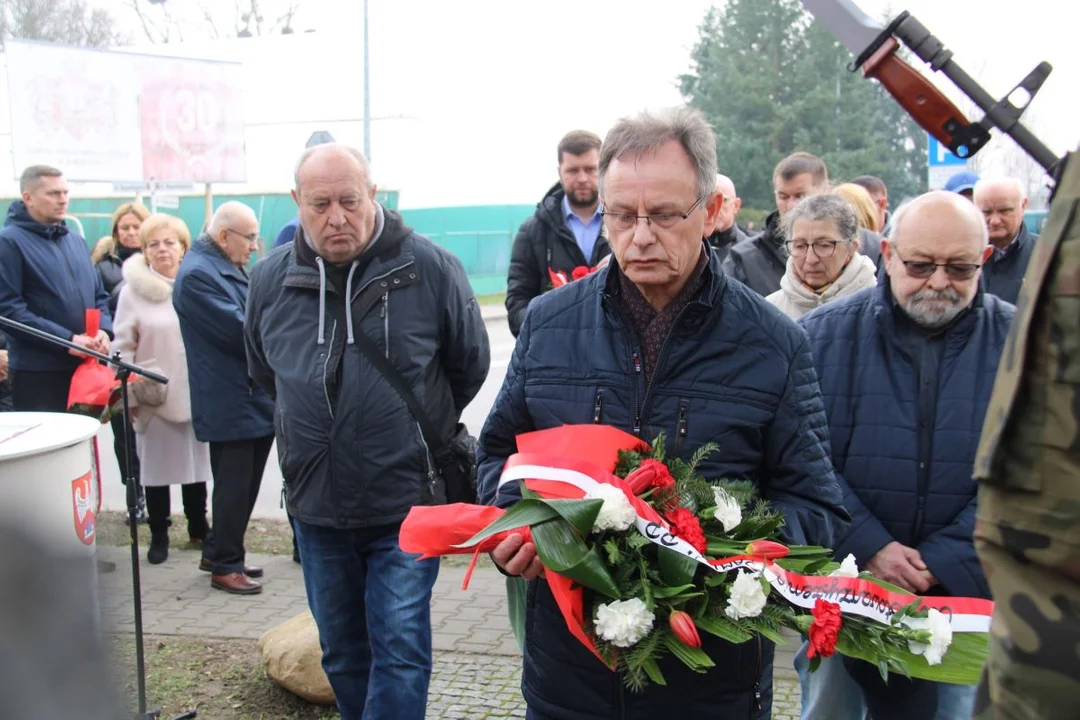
(794, 299)
(148, 333)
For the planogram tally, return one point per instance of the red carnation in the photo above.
(650, 474)
(825, 629)
(685, 525)
(579, 272)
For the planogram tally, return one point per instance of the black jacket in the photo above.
(760, 261)
(736, 372)
(110, 268)
(544, 241)
(722, 241)
(351, 453)
(5, 386)
(1003, 273)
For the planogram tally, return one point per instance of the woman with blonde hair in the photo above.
(109, 255)
(866, 211)
(148, 333)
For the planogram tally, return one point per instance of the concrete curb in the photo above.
(493, 312)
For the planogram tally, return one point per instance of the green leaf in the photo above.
(522, 513)
(666, 592)
(676, 568)
(652, 669)
(694, 658)
(581, 514)
(563, 551)
(723, 628)
(815, 663)
(883, 670)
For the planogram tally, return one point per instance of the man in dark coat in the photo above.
(1003, 202)
(661, 340)
(351, 451)
(906, 370)
(227, 409)
(727, 233)
(47, 282)
(564, 234)
(761, 261)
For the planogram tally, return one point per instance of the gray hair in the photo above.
(825, 206)
(365, 166)
(227, 215)
(31, 176)
(632, 137)
(1012, 183)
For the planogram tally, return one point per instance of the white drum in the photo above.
(48, 479)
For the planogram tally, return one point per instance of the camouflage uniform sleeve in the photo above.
(1027, 530)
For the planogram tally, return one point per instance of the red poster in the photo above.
(82, 503)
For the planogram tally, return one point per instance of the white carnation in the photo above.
(940, 629)
(624, 622)
(848, 568)
(616, 513)
(747, 597)
(727, 511)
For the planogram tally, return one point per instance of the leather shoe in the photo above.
(250, 570)
(235, 583)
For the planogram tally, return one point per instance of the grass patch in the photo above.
(218, 678)
(492, 299)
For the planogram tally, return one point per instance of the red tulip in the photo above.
(683, 627)
(767, 549)
(651, 473)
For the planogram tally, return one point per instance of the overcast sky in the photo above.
(470, 97)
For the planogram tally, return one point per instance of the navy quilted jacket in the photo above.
(895, 486)
(734, 371)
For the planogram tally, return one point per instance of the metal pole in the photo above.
(367, 90)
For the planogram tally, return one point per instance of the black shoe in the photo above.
(159, 548)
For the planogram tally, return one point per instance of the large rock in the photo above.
(293, 659)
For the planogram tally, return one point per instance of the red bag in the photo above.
(94, 387)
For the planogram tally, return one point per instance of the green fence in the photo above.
(480, 235)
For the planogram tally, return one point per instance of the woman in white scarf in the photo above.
(824, 262)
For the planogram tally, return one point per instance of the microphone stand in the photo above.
(124, 370)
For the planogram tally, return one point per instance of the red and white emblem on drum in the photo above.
(82, 504)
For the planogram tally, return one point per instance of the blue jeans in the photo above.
(372, 604)
(831, 692)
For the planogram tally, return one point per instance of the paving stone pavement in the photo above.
(477, 662)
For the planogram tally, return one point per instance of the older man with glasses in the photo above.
(227, 409)
(662, 341)
(906, 370)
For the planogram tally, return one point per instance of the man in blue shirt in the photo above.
(564, 234)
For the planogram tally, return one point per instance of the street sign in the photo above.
(167, 202)
(941, 164)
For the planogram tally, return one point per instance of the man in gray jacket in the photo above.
(357, 286)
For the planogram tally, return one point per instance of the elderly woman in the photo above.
(824, 262)
(148, 332)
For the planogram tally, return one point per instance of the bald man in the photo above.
(370, 339)
(227, 409)
(727, 233)
(1002, 202)
(904, 431)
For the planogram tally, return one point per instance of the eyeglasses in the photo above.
(956, 271)
(822, 249)
(252, 239)
(626, 221)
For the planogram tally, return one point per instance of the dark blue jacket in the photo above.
(210, 295)
(735, 371)
(287, 232)
(1003, 273)
(47, 281)
(899, 483)
(351, 452)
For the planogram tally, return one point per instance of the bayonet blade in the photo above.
(847, 23)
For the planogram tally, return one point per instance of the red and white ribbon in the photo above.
(855, 596)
